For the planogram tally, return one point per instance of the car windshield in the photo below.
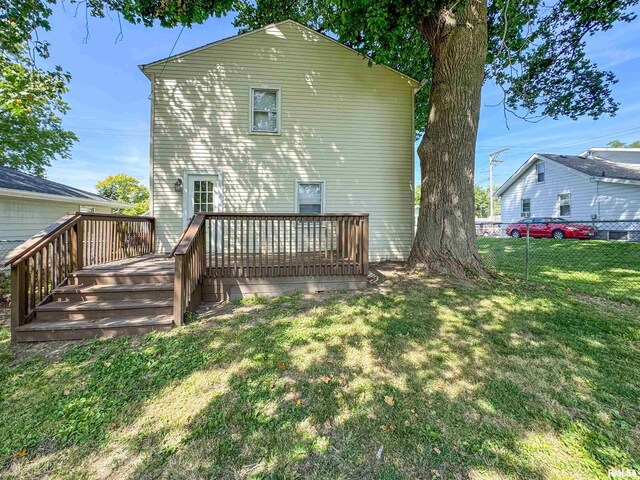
(555, 219)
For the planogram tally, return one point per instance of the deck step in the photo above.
(38, 330)
(142, 291)
(120, 277)
(84, 310)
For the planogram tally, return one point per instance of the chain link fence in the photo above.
(597, 258)
(6, 246)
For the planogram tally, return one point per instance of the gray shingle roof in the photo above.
(17, 180)
(597, 167)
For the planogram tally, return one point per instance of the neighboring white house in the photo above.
(29, 203)
(598, 184)
(280, 120)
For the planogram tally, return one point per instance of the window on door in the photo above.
(564, 200)
(525, 207)
(310, 197)
(203, 196)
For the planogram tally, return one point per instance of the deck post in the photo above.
(153, 235)
(18, 297)
(365, 245)
(78, 232)
(178, 293)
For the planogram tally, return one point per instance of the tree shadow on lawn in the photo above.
(450, 381)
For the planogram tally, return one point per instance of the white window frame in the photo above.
(544, 172)
(306, 182)
(522, 213)
(560, 195)
(278, 91)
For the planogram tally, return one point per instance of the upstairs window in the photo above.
(525, 207)
(540, 172)
(309, 197)
(265, 110)
(564, 200)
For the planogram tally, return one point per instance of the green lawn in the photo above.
(593, 267)
(413, 378)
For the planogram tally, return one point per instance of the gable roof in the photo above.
(272, 25)
(598, 168)
(16, 183)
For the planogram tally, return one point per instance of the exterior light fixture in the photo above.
(178, 185)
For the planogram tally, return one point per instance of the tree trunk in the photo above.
(445, 241)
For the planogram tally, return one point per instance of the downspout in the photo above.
(597, 182)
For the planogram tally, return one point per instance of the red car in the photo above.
(549, 227)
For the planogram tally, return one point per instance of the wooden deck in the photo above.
(97, 276)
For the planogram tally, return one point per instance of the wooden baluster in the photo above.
(215, 243)
(235, 246)
(209, 263)
(228, 247)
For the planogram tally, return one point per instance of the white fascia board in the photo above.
(8, 192)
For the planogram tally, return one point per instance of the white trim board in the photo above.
(8, 192)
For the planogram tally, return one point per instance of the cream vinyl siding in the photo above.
(340, 121)
(21, 218)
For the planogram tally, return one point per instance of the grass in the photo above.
(594, 267)
(413, 378)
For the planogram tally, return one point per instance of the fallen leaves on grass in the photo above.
(389, 400)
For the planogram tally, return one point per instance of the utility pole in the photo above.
(493, 159)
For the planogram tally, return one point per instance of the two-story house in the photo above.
(282, 120)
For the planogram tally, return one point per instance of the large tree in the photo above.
(127, 189)
(31, 98)
(534, 50)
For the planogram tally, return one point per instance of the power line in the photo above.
(171, 52)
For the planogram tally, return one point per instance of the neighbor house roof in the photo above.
(271, 25)
(15, 183)
(597, 167)
(602, 169)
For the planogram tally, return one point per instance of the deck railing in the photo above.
(45, 261)
(190, 258)
(222, 245)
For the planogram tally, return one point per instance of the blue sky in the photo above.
(110, 105)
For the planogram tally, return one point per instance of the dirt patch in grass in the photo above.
(411, 377)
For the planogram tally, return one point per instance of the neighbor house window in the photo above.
(525, 208)
(565, 204)
(85, 209)
(265, 110)
(309, 197)
(540, 172)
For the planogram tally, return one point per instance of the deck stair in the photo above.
(118, 298)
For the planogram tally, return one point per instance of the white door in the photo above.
(204, 194)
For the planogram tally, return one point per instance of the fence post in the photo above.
(526, 256)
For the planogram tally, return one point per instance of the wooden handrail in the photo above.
(283, 215)
(45, 261)
(190, 267)
(116, 216)
(29, 246)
